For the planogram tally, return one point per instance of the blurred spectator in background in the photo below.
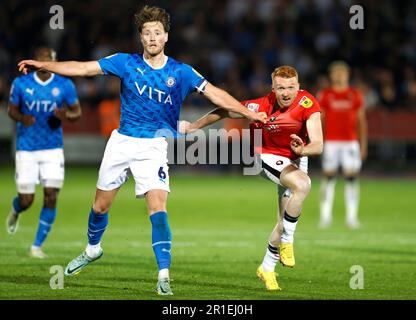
(109, 108)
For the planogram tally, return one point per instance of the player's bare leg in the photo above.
(352, 198)
(46, 220)
(327, 198)
(300, 185)
(97, 223)
(21, 203)
(161, 237)
(275, 236)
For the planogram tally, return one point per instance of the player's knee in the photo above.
(50, 199)
(303, 185)
(330, 177)
(351, 178)
(156, 207)
(100, 207)
(26, 200)
(156, 201)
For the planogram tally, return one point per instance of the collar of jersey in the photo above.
(43, 83)
(164, 64)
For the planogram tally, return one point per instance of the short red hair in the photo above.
(285, 72)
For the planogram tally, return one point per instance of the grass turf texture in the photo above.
(220, 228)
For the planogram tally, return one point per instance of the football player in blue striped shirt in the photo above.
(38, 102)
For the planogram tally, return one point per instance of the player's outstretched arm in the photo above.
(316, 144)
(225, 101)
(206, 120)
(65, 68)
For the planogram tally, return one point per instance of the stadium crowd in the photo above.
(233, 43)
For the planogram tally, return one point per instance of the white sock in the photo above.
(289, 228)
(93, 250)
(327, 199)
(270, 259)
(352, 195)
(163, 274)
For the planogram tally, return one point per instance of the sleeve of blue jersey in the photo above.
(114, 65)
(194, 79)
(70, 93)
(15, 92)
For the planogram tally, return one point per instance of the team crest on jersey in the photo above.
(253, 107)
(306, 102)
(170, 82)
(56, 92)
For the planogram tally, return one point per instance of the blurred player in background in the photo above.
(292, 133)
(38, 103)
(345, 136)
(153, 88)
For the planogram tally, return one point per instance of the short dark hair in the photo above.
(45, 51)
(152, 14)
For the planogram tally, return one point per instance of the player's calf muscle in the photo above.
(50, 198)
(26, 200)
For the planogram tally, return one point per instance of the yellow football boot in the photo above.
(287, 257)
(269, 279)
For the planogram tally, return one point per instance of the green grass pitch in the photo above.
(220, 228)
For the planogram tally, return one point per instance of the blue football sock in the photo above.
(47, 217)
(16, 205)
(161, 239)
(97, 223)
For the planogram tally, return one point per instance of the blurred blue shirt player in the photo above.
(39, 101)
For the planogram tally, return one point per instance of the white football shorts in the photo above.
(272, 166)
(143, 158)
(41, 166)
(344, 154)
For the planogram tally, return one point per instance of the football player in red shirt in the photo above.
(345, 136)
(293, 131)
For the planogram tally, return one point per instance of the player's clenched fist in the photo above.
(296, 144)
(260, 116)
(185, 127)
(28, 120)
(60, 113)
(26, 66)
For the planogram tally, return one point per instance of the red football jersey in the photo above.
(340, 113)
(291, 120)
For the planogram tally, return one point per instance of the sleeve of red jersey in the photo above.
(255, 105)
(315, 107)
(359, 100)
